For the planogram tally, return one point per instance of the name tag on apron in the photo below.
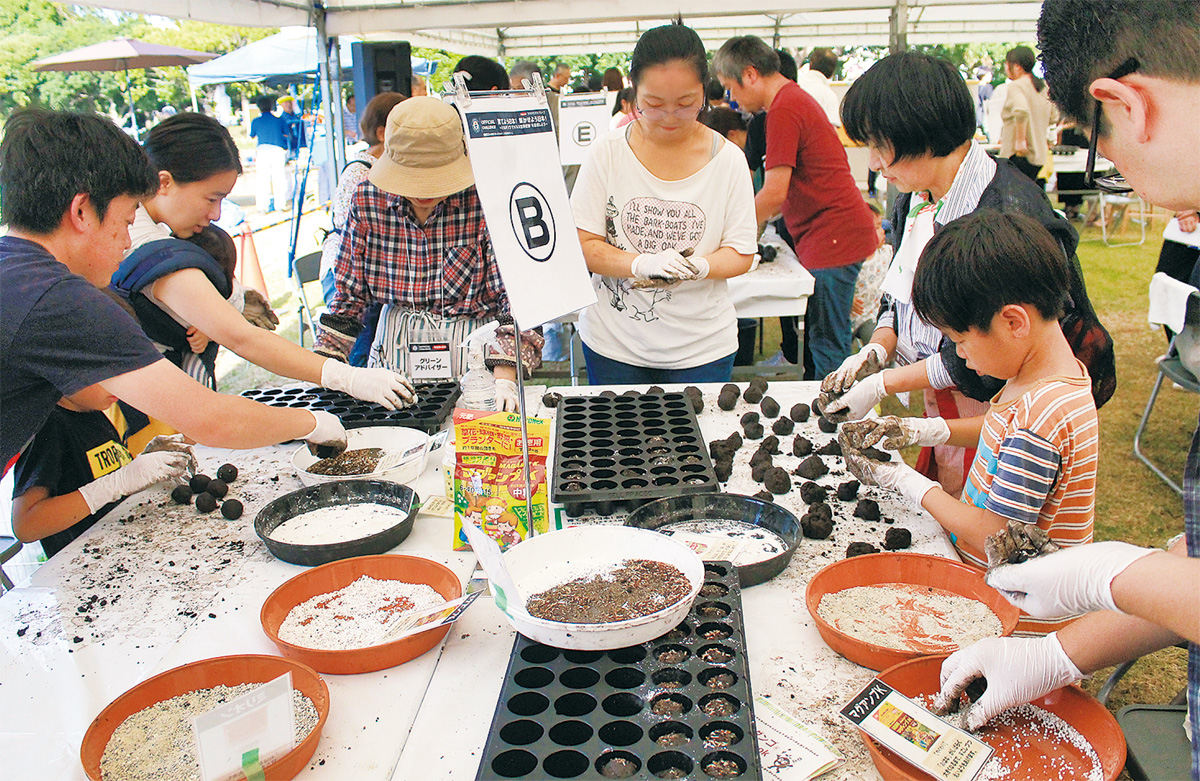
(429, 356)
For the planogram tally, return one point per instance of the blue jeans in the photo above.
(827, 320)
(606, 371)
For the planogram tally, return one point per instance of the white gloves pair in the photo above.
(669, 265)
(895, 475)
(853, 389)
(383, 386)
(893, 433)
(165, 458)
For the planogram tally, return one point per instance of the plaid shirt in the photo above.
(445, 267)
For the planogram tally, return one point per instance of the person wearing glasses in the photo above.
(1130, 70)
(808, 179)
(916, 117)
(665, 212)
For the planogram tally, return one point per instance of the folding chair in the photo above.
(304, 270)
(1157, 747)
(9, 547)
(1170, 368)
(1099, 210)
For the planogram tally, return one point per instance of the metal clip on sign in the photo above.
(533, 85)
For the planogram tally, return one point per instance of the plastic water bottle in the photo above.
(477, 386)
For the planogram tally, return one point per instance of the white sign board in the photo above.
(524, 197)
(582, 120)
(247, 733)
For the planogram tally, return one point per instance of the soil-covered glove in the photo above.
(1017, 670)
(1072, 581)
(699, 266)
(895, 475)
(667, 264)
(172, 443)
(328, 434)
(867, 361)
(383, 386)
(336, 336)
(506, 395)
(258, 310)
(855, 403)
(142, 472)
(893, 433)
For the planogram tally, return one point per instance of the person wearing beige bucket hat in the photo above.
(416, 241)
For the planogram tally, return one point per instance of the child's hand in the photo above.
(196, 340)
(894, 433)
(143, 472)
(173, 443)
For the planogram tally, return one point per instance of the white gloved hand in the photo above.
(142, 472)
(174, 443)
(895, 475)
(327, 433)
(1017, 670)
(893, 433)
(506, 395)
(699, 265)
(857, 402)
(1072, 581)
(667, 264)
(867, 361)
(382, 386)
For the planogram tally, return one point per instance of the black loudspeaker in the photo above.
(380, 66)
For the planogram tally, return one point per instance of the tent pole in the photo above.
(339, 107)
(334, 148)
(898, 28)
(192, 89)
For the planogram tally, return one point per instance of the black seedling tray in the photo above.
(619, 453)
(435, 401)
(568, 714)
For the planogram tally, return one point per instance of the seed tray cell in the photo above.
(623, 452)
(681, 702)
(435, 402)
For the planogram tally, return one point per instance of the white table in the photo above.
(188, 587)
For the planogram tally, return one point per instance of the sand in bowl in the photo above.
(635, 588)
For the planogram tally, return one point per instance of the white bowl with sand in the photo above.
(408, 444)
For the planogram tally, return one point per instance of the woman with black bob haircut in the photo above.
(186, 302)
(665, 212)
(916, 117)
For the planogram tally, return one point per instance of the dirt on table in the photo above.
(637, 587)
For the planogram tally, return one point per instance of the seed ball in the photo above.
(753, 395)
(831, 448)
(735, 440)
(749, 417)
(692, 390)
(761, 456)
(816, 527)
(848, 491)
(897, 538)
(867, 509)
(759, 471)
(633, 394)
(199, 482)
(723, 469)
(760, 383)
(799, 412)
(783, 426)
(654, 389)
(753, 431)
(205, 503)
(816, 412)
(811, 468)
(821, 510)
(551, 400)
(231, 509)
(777, 481)
(228, 473)
(826, 425)
(697, 403)
(771, 444)
(608, 394)
(727, 401)
(875, 454)
(217, 488)
(730, 387)
(860, 549)
(765, 495)
(801, 447)
(812, 492)
(182, 494)
(769, 407)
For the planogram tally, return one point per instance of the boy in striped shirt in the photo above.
(996, 285)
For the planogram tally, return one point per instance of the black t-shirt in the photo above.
(71, 450)
(58, 335)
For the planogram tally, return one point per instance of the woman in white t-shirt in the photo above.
(665, 211)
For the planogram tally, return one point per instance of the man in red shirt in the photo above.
(808, 179)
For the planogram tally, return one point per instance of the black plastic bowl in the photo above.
(329, 495)
(727, 507)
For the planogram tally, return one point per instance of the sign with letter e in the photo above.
(582, 120)
(524, 197)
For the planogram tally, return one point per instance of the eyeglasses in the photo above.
(655, 114)
(1114, 183)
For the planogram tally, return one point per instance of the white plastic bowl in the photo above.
(547, 560)
(413, 444)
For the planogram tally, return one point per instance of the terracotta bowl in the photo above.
(1071, 704)
(339, 574)
(205, 674)
(914, 569)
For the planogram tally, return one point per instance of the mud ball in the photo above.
(816, 527)
(771, 444)
(769, 407)
(812, 492)
(811, 468)
(867, 509)
(753, 430)
(761, 456)
(760, 383)
(799, 412)
(766, 496)
(832, 448)
(860, 549)
(820, 510)
(228, 473)
(826, 425)
(199, 482)
(749, 417)
(217, 488)
(655, 389)
(608, 394)
(721, 450)
(801, 447)
(753, 394)
(182, 494)
(697, 403)
(723, 469)
(848, 491)
(551, 400)
(231, 509)
(633, 394)
(206, 503)
(734, 440)
(777, 481)
(897, 538)
(692, 390)
(783, 426)
(759, 471)
(727, 401)
(875, 454)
